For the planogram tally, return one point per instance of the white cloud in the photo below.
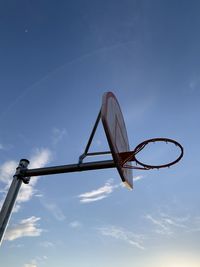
(26, 193)
(162, 226)
(194, 225)
(5, 147)
(194, 83)
(7, 171)
(40, 158)
(39, 195)
(46, 244)
(137, 178)
(26, 228)
(55, 210)
(38, 261)
(165, 224)
(93, 199)
(194, 230)
(124, 235)
(75, 224)
(30, 265)
(99, 193)
(106, 189)
(16, 246)
(58, 135)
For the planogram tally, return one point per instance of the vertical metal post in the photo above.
(9, 202)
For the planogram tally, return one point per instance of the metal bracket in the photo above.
(85, 153)
(21, 169)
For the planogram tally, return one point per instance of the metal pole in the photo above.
(97, 165)
(9, 202)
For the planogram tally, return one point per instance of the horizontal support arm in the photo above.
(106, 164)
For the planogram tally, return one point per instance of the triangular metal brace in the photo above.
(85, 153)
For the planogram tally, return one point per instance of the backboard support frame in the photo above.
(98, 153)
(23, 175)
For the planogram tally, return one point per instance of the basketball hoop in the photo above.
(113, 122)
(131, 155)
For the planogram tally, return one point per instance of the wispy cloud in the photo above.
(194, 83)
(55, 210)
(99, 193)
(195, 226)
(16, 246)
(58, 135)
(38, 261)
(31, 264)
(124, 235)
(161, 226)
(46, 244)
(7, 169)
(5, 147)
(137, 178)
(75, 224)
(166, 225)
(26, 228)
(39, 159)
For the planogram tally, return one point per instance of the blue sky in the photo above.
(57, 60)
